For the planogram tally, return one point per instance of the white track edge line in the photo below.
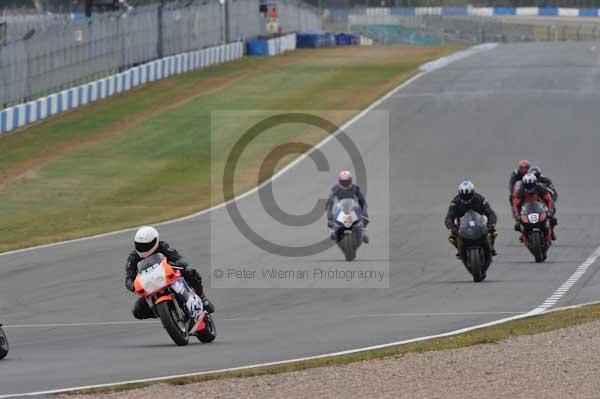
(569, 283)
(424, 70)
(341, 353)
(535, 312)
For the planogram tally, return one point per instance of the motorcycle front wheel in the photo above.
(3, 344)
(536, 246)
(475, 262)
(348, 247)
(176, 329)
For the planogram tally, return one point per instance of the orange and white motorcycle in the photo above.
(172, 300)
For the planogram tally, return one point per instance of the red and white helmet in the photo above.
(345, 179)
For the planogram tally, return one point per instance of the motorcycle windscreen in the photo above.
(346, 205)
(533, 207)
(472, 226)
(150, 262)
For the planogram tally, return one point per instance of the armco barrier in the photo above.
(36, 110)
(270, 47)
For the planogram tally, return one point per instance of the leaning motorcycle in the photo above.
(3, 344)
(474, 245)
(536, 229)
(348, 225)
(172, 300)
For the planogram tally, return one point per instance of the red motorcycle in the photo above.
(535, 229)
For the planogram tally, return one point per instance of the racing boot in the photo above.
(452, 240)
(493, 235)
(208, 305)
(365, 237)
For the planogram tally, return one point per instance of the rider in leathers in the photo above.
(531, 191)
(345, 189)
(516, 177)
(468, 199)
(147, 244)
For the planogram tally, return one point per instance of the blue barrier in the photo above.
(347, 39)
(407, 11)
(548, 11)
(588, 12)
(314, 40)
(257, 47)
(455, 10)
(505, 11)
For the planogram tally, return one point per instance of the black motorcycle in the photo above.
(3, 344)
(474, 244)
(535, 228)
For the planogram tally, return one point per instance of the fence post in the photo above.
(159, 42)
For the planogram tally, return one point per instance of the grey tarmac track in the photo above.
(473, 119)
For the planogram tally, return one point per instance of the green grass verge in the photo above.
(488, 335)
(144, 156)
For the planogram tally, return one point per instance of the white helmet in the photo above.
(466, 190)
(146, 241)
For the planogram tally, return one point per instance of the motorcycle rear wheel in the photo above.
(210, 332)
(178, 334)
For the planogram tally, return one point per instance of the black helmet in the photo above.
(535, 170)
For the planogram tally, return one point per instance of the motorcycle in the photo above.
(535, 229)
(474, 245)
(3, 344)
(348, 225)
(178, 307)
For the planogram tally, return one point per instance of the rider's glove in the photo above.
(330, 223)
(452, 239)
(366, 221)
(129, 285)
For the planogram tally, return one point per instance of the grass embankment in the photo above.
(526, 326)
(144, 156)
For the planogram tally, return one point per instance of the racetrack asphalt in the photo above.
(472, 119)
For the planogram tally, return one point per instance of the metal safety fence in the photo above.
(437, 29)
(65, 53)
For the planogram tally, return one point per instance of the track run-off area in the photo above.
(68, 315)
